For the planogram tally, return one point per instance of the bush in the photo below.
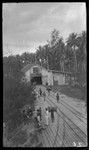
(15, 96)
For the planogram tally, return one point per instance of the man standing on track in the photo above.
(47, 117)
(52, 114)
(44, 95)
(57, 97)
(40, 91)
(38, 117)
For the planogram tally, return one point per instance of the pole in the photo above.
(74, 48)
(47, 63)
(35, 59)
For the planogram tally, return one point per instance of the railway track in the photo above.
(72, 130)
(78, 114)
(49, 135)
(74, 111)
(81, 136)
(56, 131)
(70, 107)
(57, 107)
(82, 123)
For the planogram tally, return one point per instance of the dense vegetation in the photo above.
(57, 55)
(67, 56)
(15, 96)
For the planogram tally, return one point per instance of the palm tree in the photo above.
(84, 53)
(62, 62)
(72, 43)
(81, 57)
(54, 37)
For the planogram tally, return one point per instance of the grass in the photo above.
(20, 138)
(70, 91)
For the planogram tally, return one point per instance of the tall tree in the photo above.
(69, 59)
(57, 50)
(82, 53)
(81, 58)
(54, 37)
(72, 43)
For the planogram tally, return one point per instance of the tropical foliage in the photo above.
(69, 56)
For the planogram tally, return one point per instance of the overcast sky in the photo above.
(28, 25)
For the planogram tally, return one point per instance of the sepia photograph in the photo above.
(44, 74)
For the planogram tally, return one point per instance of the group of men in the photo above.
(44, 94)
(49, 111)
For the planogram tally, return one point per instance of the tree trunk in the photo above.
(75, 65)
(75, 60)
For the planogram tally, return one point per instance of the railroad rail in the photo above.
(72, 109)
(71, 130)
(72, 126)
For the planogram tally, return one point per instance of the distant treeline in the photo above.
(58, 55)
